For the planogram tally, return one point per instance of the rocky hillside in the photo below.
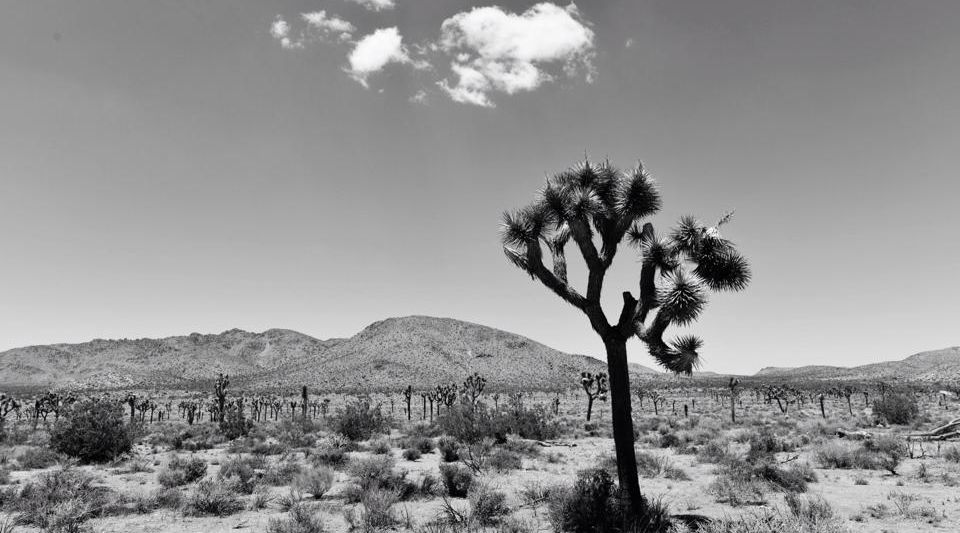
(932, 366)
(390, 354)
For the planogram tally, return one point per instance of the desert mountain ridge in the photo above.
(387, 355)
(930, 366)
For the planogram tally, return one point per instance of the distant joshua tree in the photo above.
(734, 392)
(598, 204)
(407, 394)
(595, 386)
(220, 391)
(473, 388)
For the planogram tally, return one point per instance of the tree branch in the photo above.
(648, 286)
(561, 288)
(580, 230)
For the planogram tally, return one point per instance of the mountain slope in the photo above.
(935, 365)
(419, 351)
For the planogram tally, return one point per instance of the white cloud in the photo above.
(376, 5)
(375, 51)
(494, 50)
(420, 97)
(319, 20)
(280, 30)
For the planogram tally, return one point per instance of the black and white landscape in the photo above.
(459, 266)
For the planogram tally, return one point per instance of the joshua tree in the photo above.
(220, 391)
(303, 402)
(595, 386)
(734, 383)
(445, 395)
(657, 400)
(473, 388)
(598, 204)
(131, 400)
(407, 394)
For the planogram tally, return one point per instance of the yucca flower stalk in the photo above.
(596, 207)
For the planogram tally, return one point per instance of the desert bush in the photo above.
(412, 454)
(537, 423)
(593, 504)
(359, 421)
(952, 454)
(212, 498)
(330, 456)
(842, 456)
(60, 498)
(421, 443)
(235, 424)
(487, 505)
(282, 472)
(297, 432)
(300, 519)
(242, 473)
(764, 442)
(503, 460)
(380, 447)
(457, 479)
(896, 408)
(716, 451)
(468, 425)
(162, 498)
(92, 431)
(35, 458)
(316, 481)
(448, 447)
(197, 437)
(181, 471)
(881, 453)
(378, 473)
(375, 511)
(889, 451)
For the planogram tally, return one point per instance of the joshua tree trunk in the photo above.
(823, 412)
(623, 420)
(733, 408)
(589, 407)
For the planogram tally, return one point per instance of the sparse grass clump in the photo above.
(487, 505)
(35, 458)
(803, 515)
(652, 465)
(332, 456)
(242, 473)
(213, 498)
(181, 471)
(299, 519)
(375, 511)
(316, 481)
(457, 479)
(503, 460)
(881, 453)
(62, 498)
(952, 454)
(448, 447)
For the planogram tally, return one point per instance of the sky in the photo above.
(173, 166)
